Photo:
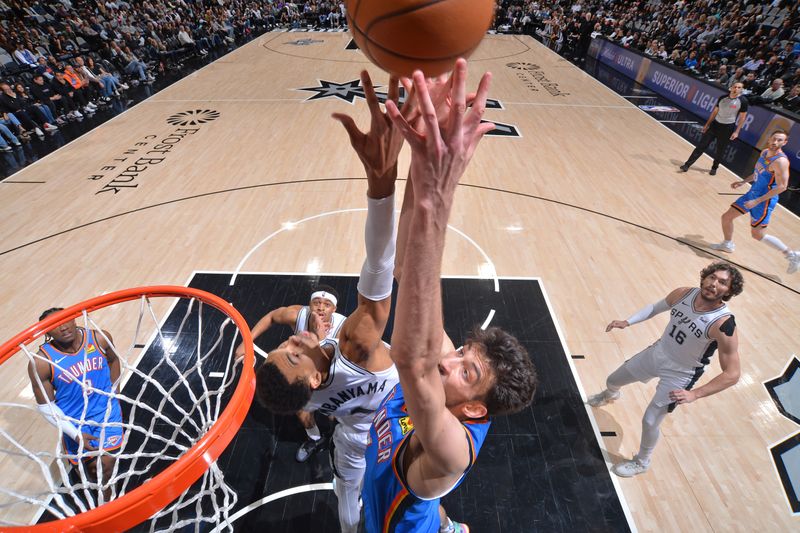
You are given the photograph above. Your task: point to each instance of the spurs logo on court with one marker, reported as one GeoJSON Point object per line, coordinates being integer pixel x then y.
{"type": "Point", "coordinates": [350, 90]}
{"type": "Point", "coordinates": [782, 389]}
{"type": "Point", "coordinates": [533, 77]}
{"type": "Point", "coordinates": [305, 42]}
{"type": "Point", "coordinates": [193, 117]}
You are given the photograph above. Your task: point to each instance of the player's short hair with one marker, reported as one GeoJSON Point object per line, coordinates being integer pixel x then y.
{"type": "Point", "coordinates": [737, 281]}
{"type": "Point", "coordinates": [275, 392]}
{"type": "Point", "coordinates": [515, 376]}
{"type": "Point", "coordinates": [325, 288]}
{"type": "Point", "coordinates": [779, 131]}
{"type": "Point", "coordinates": [49, 312]}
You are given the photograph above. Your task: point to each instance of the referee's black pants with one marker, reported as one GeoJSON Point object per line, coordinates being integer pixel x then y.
{"type": "Point", "coordinates": [722, 133]}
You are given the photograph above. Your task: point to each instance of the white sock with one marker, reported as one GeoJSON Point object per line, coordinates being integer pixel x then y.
{"type": "Point", "coordinates": [775, 243]}
{"type": "Point", "coordinates": [448, 527]}
{"type": "Point", "coordinates": [313, 433]}
{"type": "Point", "coordinates": [728, 243]}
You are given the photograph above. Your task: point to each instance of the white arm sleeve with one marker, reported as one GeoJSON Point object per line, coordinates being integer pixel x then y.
{"type": "Point", "coordinates": [53, 414]}
{"type": "Point", "coordinates": [648, 312]}
{"type": "Point", "coordinates": [377, 274]}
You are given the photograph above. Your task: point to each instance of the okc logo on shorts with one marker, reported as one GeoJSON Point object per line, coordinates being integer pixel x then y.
{"type": "Point", "coordinates": [405, 424]}
{"type": "Point", "coordinates": [113, 440]}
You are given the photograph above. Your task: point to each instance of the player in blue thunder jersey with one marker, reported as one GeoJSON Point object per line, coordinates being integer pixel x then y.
{"type": "Point", "coordinates": [426, 437]}
{"type": "Point", "coordinates": [73, 356]}
{"type": "Point", "coordinates": [770, 178]}
{"type": "Point", "coordinates": [391, 432]}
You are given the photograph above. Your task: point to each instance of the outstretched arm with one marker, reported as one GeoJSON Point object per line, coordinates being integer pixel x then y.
{"type": "Point", "coordinates": [439, 158]}
{"type": "Point", "coordinates": [650, 310]}
{"type": "Point", "coordinates": [378, 150]}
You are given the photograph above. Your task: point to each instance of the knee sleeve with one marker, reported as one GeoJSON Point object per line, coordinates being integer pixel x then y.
{"type": "Point", "coordinates": [651, 429]}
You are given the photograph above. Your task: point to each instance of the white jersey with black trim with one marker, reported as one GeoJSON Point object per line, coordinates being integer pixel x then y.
{"type": "Point", "coordinates": [686, 339]}
{"type": "Point", "coordinates": [351, 393]}
{"type": "Point", "coordinates": [302, 322]}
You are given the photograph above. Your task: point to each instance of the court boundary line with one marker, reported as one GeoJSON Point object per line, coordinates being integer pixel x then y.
{"type": "Point", "coordinates": [596, 429]}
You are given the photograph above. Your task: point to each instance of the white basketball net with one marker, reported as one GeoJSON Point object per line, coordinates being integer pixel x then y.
{"type": "Point", "coordinates": [173, 406]}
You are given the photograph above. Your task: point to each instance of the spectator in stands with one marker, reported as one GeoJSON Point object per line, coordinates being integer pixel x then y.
{"type": "Point", "coordinates": [791, 78]}
{"type": "Point", "coordinates": [42, 113]}
{"type": "Point", "coordinates": [787, 31]}
{"type": "Point", "coordinates": [791, 100]}
{"type": "Point", "coordinates": [772, 93]}
{"type": "Point", "coordinates": [186, 40]}
{"type": "Point", "coordinates": [722, 76]}
{"type": "Point", "coordinates": [62, 87]}
{"type": "Point", "coordinates": [43, 68]}
{"type": "Point", "coordinates": [749, 83]}
{"type": "Point", "coordinates": [6, 134]}
{"type": "Point", "coordinates": [691, 61]}
{"type": "Point", "coordinates": [80, 92]}
{"type": "Point", "coordinates": [43, 94]}
{"type": "Point", "coordinates": [737, 77]}
{"type": "Point", "coordinates": [14, 107]}
{"type": "Point", "coordinates": [24, 57]}
{"type": "Point", "coordinates": [107, 83]}
{"type": "Point", "coordinates": [131, 63]}
{"type": "Point", "coordinates": [755, 64]}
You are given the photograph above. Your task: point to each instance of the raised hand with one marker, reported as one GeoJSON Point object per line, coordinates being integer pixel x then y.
{"type": "Point", "coordinates": [318, 326]}
{"type": "Point", "coordinates": [379, 148]}
{"type": "Point", "coordinates": [440, 154]}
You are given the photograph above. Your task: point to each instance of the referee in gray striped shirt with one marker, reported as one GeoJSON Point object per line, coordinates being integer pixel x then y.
{"type": "Point", "coordinates": [722, 126]}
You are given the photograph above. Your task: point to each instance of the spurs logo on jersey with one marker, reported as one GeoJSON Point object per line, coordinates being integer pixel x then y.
{"type": "Point", "coordinates": [351, 393]}
{"type": "Point", "coordinates": [686, 338]}
{"type": "Point", "coordinates": [302, 323]}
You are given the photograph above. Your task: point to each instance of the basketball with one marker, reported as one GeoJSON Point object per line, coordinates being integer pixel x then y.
{"type": "Point", "coordinates": [429, 35]}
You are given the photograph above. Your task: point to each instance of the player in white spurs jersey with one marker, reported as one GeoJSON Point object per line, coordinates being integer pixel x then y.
{"type": "Point", "coordinates": [700, 324]}
{"type": "Point", "coordinates": [350, 377]}
{"type": "Point", "coordinates": [320, 317]}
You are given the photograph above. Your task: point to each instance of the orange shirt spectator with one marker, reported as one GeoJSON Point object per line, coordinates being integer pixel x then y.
{"type": "Point", "coordinates": [72, 78]}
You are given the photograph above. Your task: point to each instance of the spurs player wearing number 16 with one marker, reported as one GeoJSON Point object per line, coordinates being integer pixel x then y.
{"type": "Point", "coordinates": [700, 324]}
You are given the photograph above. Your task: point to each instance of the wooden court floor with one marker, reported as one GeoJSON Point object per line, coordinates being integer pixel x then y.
{"type": "Point", "coordinates": [586, 198]}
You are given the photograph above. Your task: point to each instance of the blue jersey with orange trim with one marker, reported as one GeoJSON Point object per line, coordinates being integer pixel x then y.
{"type": "Point", "coordinates": [765, 179]}
{"type": "Point", "coordinates": [88, 365]}
{"type": "Point", "coordinates": [389, 505]}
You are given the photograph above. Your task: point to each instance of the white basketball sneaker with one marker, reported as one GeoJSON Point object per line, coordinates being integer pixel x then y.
{"type": "Point", "coordinates": [724, 246]}
{"type": "Point", "coordinates": [630, 468]}
{"type": "Point", "coordinates": [603, 398]}
{"type": "Point", "coordinates": [794, 262]}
